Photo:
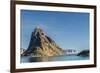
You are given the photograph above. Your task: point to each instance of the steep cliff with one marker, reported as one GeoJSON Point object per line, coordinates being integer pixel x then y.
{"type": "Point", "coordinates": [42, 45]}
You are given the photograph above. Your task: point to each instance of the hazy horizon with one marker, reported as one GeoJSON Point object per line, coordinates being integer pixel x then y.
{"type": "Point", "coordinates": [70, 30]}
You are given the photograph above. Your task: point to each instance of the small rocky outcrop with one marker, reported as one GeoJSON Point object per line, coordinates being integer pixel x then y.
{"type": "Point", "coordinates": [84, 53]}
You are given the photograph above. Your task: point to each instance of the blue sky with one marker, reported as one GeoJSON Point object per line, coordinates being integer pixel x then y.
{"type": "Point", "coordinates": [67, 29]}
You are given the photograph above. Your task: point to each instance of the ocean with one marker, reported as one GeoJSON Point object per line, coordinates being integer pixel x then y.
{"type": "Point", "coordinates": [28, 59]}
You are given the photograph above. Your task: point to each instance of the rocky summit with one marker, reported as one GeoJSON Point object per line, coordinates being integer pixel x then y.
{"type": "Point", "coordinates": [42, 45]}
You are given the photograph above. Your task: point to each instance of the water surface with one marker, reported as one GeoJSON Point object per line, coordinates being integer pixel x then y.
{"type": "Point", "coordinates": [26, 59]}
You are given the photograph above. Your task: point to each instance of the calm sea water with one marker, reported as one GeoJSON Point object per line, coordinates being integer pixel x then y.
{"type": "Point", "coordinates": [26, 59]}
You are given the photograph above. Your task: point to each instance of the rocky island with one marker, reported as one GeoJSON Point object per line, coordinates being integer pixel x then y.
{"type": "Point", "coordinates": [42, 45]}
{"type": "Point", "coordinates": [42, 48]}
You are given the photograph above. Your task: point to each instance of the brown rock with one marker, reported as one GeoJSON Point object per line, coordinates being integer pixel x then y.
{"type": "Point", "coordinates": [42, 45]}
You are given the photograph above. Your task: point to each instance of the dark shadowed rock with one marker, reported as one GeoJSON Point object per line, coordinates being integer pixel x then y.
{"type": "Point", "coordinates": [84, 53]}
{"type": "Point", "coordinates": [42, 45]}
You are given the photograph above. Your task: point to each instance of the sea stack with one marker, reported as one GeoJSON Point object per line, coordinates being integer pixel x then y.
{"type": "Point", "coordinates": [42, 45]}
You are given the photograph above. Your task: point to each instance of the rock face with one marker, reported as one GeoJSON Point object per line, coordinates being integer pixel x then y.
{"type": "Point", "coordinates": [42, 45]}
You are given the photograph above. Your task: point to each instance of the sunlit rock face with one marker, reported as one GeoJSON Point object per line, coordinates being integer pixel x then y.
{"type": "Point", "coordinates": [42, 45]}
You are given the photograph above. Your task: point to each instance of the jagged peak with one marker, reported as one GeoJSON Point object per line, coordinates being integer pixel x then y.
{"type": "Point", "coordinates": [38, 27]}
{"type": "Point", "coordinates": [39, 30]}
{"type": "Point", "coordinates": [42, 44]}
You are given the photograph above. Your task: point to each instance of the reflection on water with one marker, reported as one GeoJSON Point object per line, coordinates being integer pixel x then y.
{"type": "Point", "coordinates": [25, 59]}
{"type": "Point", "coordinates": [38, 59]}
